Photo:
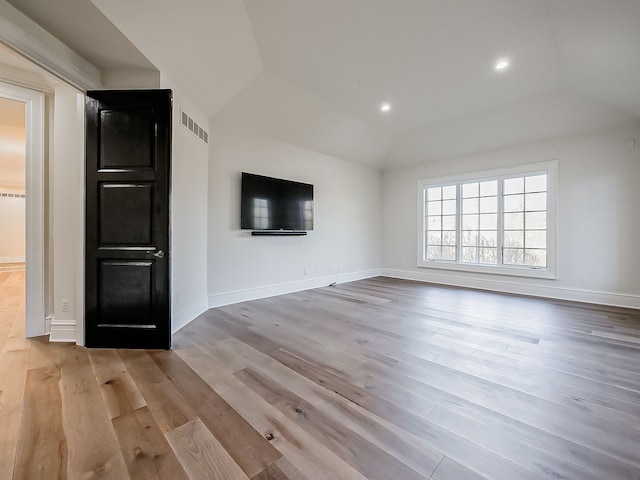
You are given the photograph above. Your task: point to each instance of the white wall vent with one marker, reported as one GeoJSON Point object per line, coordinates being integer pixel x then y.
{"type": "Point", "coordinates": [193, 127]}
{"type": "Point", "coordinates": [12, 195]}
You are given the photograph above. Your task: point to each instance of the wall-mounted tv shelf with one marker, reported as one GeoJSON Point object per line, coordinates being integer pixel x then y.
{"type": "Point", "coordinates": [278, 233]}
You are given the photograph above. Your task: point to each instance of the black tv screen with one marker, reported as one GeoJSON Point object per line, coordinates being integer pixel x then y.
{"type": "Point", "coordinates": [275, 204]}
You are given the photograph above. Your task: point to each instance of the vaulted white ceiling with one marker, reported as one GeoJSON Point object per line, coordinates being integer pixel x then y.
{"type": "Point", "coordinates": [205, 46]}
{"type": "Point", "coordinates": [315, 72]}
{"type": "Point", "coordinates": [432, 60]}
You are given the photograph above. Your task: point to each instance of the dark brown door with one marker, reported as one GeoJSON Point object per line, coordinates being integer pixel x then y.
{"type": "Point", "coordinates": [128, 151]}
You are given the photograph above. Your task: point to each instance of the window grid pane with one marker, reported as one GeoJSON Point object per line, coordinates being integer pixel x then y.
{"type": "Point", "coordinates": [480, 222]}
{"type": "Point", "coordinates": [525, 221]}
{"type": "Point", "coordinates": [441, 224]}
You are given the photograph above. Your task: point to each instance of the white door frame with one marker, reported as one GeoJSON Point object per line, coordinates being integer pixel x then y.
{"type": "Point", "coordinates": [35, 291]}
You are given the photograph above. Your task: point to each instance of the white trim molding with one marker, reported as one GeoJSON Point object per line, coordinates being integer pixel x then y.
{"type": "Point", "coordinates": [12, 259]}
{"type": "Point", "coordinates": [511, 285]}
{"type": "Point", "coordinates": [189, 313]}
{"type": "Point", "coordinates": [80, 214]}
{"type": "Point", "coordinates": [23, 78]}
{"type": "Point", "coordinates": [237, 296]}
{"type": "Point", "coordinates": [35, 310]}
{"type": "Point", "coordinates": [63, 331]}
{"type": "Point", "coordinates": [23, 35]}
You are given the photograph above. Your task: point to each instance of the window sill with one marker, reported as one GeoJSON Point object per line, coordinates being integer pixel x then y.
{"type": "Point", "coordinates": [545, 273]}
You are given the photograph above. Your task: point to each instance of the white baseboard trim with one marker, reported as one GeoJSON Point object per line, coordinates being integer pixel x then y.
{"type": "Point", "coordinates": [185, 315]}
{"type": "Point", "coordinates": [12, 259]}
{"type": "Point", "coordinates": [228, 298]}
{"type": "Point", "coordinates": [512, 286]}
{"type": "Point", "coordinates": [47, 324]}
{"type": "Point", "coordinates": [63, 331]}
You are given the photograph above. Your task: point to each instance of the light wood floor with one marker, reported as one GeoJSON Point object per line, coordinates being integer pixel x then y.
{"type": "Point", "coordinates": [377, 379]}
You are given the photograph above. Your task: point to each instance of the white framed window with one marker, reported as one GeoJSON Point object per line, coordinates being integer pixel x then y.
{"type": "Point", "coordinates": [499, 221]}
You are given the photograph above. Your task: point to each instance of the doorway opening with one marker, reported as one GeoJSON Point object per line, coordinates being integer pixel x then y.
{"type": "Point", "coordinates": [22, 210]}
{"type": "Point", "coordinates": [12, 222]}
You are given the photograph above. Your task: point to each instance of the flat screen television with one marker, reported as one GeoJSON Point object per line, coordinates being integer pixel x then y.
{"type": "Point", "coordinates": [275, 204]}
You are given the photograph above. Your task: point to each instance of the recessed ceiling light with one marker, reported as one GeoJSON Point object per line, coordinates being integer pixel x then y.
{"type": "Point", "coordinates": [385, 107]}
{"type": "Point", "coordinates": [502, 64]}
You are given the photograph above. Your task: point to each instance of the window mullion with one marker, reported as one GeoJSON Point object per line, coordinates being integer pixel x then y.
{"type": "Point", "coordinates": [524, 223]}
{"type": "Point", "coordinates": [424, 223]}
{"type": "Point", "coordinates": [500, 242]}
{"type": "Point", "coordinates": [458, 224]}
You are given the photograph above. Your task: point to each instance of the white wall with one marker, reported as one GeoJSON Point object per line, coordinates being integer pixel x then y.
{"type": "Point", "coordinates": [598, 255]}
{"type": "Point", "coordinates": [129, 79]}
{"type": "Point", "coordinates": [66, 174]}
{"type": "Point", "coordinates": [12, 219]}
{"type": "Point", "coordinates": [189, 183]}
{"type": "Point", "coordinates": [346, 225]}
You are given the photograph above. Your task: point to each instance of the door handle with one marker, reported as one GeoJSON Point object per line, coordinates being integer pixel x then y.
{"type": "Point", "coordinates": [158, 254]}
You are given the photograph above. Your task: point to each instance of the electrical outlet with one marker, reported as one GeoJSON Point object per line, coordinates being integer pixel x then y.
{"type": "Point", "coordinates": [64, 303]}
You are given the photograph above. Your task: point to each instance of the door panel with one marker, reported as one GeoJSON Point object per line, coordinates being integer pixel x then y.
{"type": "Point", "coordinates": [124, 210]}
{"type": "Point", "coordinates": [127, 299]}
{"type": "Point", "coordinates": [128, 142]}
{"type": "Point", "coordinates": [127, 138]}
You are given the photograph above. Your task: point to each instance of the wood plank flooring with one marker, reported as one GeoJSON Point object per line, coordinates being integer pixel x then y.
{"type": "Point", "coordinates": [376, 379]}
